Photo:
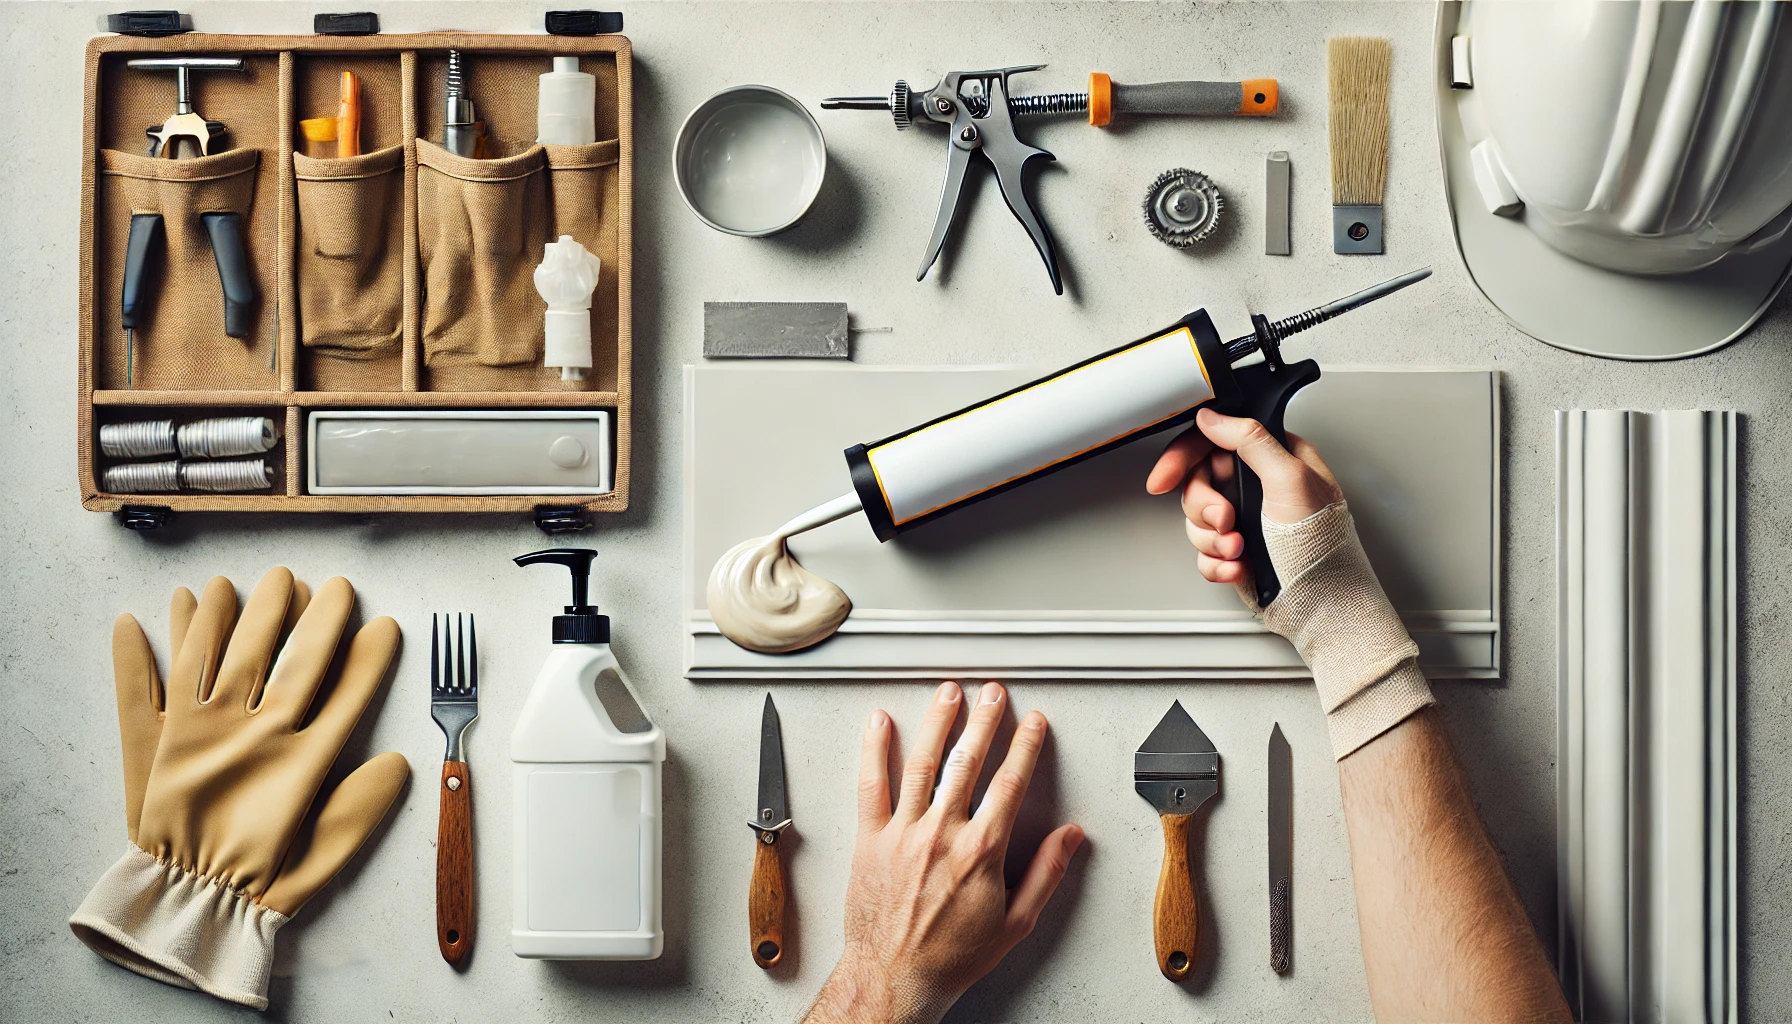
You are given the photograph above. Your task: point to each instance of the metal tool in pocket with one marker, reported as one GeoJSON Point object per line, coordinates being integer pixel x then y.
{"type": "Point", "coordinates": [186, 134]}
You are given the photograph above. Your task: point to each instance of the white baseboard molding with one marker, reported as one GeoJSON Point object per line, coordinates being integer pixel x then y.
{"type": "Point", "coordinates": [894, 644]}
{"type": "Point", "coordinates": [1646, 716]}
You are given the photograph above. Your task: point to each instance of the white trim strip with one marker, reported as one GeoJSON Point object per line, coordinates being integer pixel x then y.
{"type": "Point", "coordinates": [1022, 624]}
{"type": "Point", "coordinates": [1646, 698]}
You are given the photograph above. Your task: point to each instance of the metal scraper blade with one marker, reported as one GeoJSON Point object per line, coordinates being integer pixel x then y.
{"type": "Point", "coordinates": [1177, 769]}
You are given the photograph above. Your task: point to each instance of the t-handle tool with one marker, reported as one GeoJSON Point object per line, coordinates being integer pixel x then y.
{"type": "Point", "coordinates": [186, 123]}
{"type": "Point", "coordinates": [979, 108]}
{"type": "Point", "coordinates": [224, 229]}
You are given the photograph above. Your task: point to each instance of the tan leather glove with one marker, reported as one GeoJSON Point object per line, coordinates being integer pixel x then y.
{"type": "Point", "coordinates": [230, 832]}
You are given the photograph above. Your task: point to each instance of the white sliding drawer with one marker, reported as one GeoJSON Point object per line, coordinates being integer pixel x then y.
{"type": "Point", "coordinates": [496, 451]}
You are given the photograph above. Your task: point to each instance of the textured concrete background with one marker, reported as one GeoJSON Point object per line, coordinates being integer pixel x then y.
{"type": "Point", "coordinates": [365, 950]}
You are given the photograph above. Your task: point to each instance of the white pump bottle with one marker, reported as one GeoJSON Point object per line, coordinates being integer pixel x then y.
{"type": "Point", "coordinates": [587, 767]}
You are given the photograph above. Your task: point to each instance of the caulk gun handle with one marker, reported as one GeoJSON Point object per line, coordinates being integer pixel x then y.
{"type": "Point", "coordinates": [1267, 392]}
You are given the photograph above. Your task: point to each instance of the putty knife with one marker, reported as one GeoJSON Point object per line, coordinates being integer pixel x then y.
{"type": "Point", "coordinates": [1177, 769]}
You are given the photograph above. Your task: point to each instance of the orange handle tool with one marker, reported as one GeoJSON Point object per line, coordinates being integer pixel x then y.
{"type": "Point", "coordinates": [1253, 97]}
{"type": "Point", "coordinates": [348, 117]}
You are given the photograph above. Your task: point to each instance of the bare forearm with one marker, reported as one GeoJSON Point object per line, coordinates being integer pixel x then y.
{"type": "Point", "coordinates": [1444, 936]}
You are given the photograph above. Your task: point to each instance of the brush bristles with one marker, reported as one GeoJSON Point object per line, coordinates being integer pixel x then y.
{"type": "Point", "coordinates": [1357, 69]}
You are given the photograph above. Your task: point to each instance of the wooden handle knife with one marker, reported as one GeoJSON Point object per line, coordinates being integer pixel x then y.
{"type": "Point", "coordinates": [765, 900]}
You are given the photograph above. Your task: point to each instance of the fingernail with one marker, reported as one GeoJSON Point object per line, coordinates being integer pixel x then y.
{"type": "Point", "coordinates": [879, 719]}
{"type": "Point", "coordinates": [1206, 413]}
{"type": "Point", "coordinates": [1074, 841]}
{"type": "Point", "coordinates": [1212, 516]}
{"type": "Point", "coordinates": [947, 693]}
{"type": "Point", "coordinates": [992, 694]}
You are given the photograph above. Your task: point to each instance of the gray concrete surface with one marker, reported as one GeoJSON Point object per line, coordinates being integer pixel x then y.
{"type": "Point", "coordinates": [364, 950]}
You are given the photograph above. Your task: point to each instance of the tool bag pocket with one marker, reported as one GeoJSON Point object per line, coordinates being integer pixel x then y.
{"type": "Point", "coordinates": [180, 334]}
{"type": "Point", "coordinates": [481, 226]}
{"type": "Point", "coordinates": [351, 255]}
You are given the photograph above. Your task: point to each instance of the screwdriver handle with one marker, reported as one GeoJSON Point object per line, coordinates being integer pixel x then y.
{"type": "Point", "coordinates": [234, 275]}
{"type": "Point", "coordinates": [146, 235]}
{"type": "Point", "coordinates": [1253, 97]}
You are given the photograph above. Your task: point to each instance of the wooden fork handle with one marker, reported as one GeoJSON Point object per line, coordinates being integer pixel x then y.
{"type": "Point", "coordinates": [765, 899]}
{"type": "Point", "coordinates": [1173, 921]}
{"type": "Point", "coordinates": [454, 864]}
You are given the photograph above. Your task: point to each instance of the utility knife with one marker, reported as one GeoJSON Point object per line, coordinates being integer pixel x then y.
{"type": "Point", "coordinates": [765, 897]}
{"type": "Point", "coordinates": [1177, 770]}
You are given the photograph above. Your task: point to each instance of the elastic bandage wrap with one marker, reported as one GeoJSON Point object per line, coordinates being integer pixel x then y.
{"type": "Point", "coordinates": [1334, 612]}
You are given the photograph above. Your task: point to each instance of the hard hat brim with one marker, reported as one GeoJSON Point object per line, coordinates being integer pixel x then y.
{"type": "Point", "coordinates": [1576, 306]}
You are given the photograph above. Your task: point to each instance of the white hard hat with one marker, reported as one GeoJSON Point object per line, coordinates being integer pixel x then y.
{"type": "Point", "coordinates": [1620, 173]}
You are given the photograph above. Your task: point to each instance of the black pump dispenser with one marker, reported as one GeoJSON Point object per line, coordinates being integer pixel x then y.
{"type": "Point", "coordinates": [581, 624]}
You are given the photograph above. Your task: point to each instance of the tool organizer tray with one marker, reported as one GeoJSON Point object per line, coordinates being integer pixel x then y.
{"type": "Point", "coordinates": [344, 251]}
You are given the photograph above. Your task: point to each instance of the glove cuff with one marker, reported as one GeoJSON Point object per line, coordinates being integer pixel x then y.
{"type": "Point", "coordinates": [166, 923]}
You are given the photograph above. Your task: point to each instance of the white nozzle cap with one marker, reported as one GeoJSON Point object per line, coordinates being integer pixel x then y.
{"type": "Point", "coordinates": [562, 65]}
{"type": "Point", "coordinates": [567, 276]}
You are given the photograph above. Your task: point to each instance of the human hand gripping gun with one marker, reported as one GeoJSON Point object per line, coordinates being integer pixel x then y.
{"type": "Point", "coordinates": [978, 108]}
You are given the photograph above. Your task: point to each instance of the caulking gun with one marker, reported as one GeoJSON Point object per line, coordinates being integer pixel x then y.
{"type": "Point", "coordinates": [1105, 401]}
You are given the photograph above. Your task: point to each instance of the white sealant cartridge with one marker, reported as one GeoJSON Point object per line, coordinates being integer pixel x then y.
{"type": "Point", "coordinates": [1056, 421]}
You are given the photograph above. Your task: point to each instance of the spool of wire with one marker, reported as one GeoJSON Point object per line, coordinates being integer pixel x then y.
{"type": "Point", "coordinates": [223, 476]}
{"type": "Point", "coordinates": [226, 436]}
{"type": "Point", "coordinates": [143, 477]}
{"type": "Point", "coordinates": [139, 440]}
{"type": "Point", "coordinates": [226, 475]}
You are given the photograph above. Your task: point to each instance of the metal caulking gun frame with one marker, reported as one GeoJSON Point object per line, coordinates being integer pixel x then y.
{"type": "Point", "coordinates": [978, 109]}
{"type": "Point", "coordinates": [1081, 411]}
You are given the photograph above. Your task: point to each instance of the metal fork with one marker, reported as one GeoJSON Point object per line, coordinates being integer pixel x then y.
{"type": "Point", "coordinates": [454, 704]}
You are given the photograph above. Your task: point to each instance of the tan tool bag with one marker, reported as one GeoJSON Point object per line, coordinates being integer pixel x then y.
{"type": "Point", "coordinates": [401, 278]}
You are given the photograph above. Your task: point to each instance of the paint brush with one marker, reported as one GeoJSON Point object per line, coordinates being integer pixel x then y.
{"type": "Point", "coordinates": [1357, 71]}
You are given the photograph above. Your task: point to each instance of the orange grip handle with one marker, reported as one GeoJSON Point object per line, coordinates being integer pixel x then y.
{"type": "Point", "coordinates": [348, 117]}
{"type": "Point", "coordinates": [1261, 97]}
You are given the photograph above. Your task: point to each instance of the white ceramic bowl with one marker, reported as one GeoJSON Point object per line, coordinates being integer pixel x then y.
{"type": "Point", "coordinates": [749, 160]}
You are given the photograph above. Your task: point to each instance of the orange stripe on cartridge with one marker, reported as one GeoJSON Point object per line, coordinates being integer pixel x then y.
{"type": "Point", "coordinates": [1101, 99]}
{"type": "Point", "coordinates": [1261, 97]}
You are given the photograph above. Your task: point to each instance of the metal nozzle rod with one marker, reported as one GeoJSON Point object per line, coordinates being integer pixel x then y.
{"type": "Point", "coordinates": [1238, 348]}
{"type": "Point", "coordinates": [856, 103]}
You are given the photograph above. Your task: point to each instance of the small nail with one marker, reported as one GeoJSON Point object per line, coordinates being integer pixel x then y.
{"type": "Point", "coordinates": [947, 693]}
{"type": "Point", "coordinates": [879, 719]}
{"type": "Point", "coordinates": [1073, 842]}
{"type": "Point", "coordinates": [992, 694]}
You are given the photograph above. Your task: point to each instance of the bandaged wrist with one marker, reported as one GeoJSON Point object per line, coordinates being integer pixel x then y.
{"type": "Point", "coordinates": [166, 923]}
{"type": "Point", "coordinates": [1335, 613]}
